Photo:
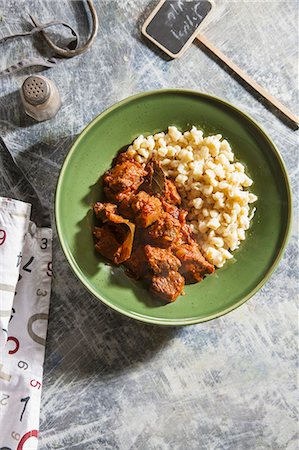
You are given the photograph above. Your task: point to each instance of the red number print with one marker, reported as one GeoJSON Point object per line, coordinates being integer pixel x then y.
{"type": "Point", "coordinates": [16, 341]}
{"type": "Point", "coordinates": [2, 236]}
{"type": "Point", "coordinates": [35, 383]}
{"type": "Point", "coordinates": [28, 435]}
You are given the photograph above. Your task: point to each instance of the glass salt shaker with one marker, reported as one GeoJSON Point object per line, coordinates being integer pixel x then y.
{"type": "Point", "coordinates": [40, 97]}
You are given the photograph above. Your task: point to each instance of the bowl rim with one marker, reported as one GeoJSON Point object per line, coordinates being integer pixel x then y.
{"type": "Point", "coordinates": [144, 318]}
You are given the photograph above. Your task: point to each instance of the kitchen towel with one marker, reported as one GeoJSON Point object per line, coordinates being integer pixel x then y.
{"type": "Point", "coordinates": [23, 335]}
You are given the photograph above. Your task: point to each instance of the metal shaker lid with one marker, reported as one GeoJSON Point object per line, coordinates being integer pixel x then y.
{"type": "Point", "coordinates": [36, 90]}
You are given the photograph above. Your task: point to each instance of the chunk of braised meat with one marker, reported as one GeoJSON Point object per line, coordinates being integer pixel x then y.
{"type": "Point", "coordinates": [123, 180]}
{"type": "Point", "coordinates": [174, 211]}
{"type": "Point", "coordinates": [142, 208]}
{"type": "Point", "coordinates": [171, 194]}
{"type": "Point", "coordinates": [107, 243]}
{"type": "Point", "coordinates": [122, 157]}
{"type": "Point", "coordinates": [125, 209]}
{"type": "Point", "coordinates": [146, 209]}
{"type": "Point", "coordinates": [160, 260]}
{"type": "Point", "coordinates": [146, 261]}
{"type": "Point", "coordinates": [164, 231]}
{"type": "Point", "coordinates": [168, 287]}
{"type": "Point", "coordinates": [136, 264]}
{"type": "Point", "coordinates": [114, 241]}
{"type": "Point", "coordinates": [115, 228]}
{"type": "Point", "coordinates": [194, 266]}
{"type": "Point", "coordinates": [185, 235]}
{"type": "Point", "coordinates": [107, 211]}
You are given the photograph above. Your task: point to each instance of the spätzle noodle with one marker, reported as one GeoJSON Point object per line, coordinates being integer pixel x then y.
{"type": "Point", "coordinates": [213, 186]}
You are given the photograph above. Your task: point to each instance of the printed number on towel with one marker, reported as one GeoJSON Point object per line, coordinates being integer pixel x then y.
{"type": "Point", "coordinates": [2, 236]}
{"type": "Point", "coordinates": [15, 435]}
{"type": "Point", "coordinates": [23, 365]}
{"type": "Point", "coordinates": [35, 383]}
{"type": "Point", "coordinates": [19, 258]}
{"type": "Point", "coordinates": [3, 399]}
{"type": "Point", "coordinates": [41, 293]}
{"type": "Point", "coordinates": [26, 266]}
{"type": "Point", "coordinates": [44, 243]}
{"type": "Point", "coordinates": [38, 339]}
{"type": "Point", "coordinates": [25, 400]}
{"type": "Point", "coordinates": [17, 345]}
{"type": "Point", "coordinates": [49, 271]}
{"type": "Point", "coordinates": [13, 311]}
{"type": "Point", "coordinates": [28, 435]}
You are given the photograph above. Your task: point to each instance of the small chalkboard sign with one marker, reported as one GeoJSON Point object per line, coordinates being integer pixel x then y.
{"type": "Point", "coordinates": [173, 24]}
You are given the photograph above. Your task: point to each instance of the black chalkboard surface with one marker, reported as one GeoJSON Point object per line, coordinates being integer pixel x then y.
{"type": "Point", "coordinates": [173, 24]}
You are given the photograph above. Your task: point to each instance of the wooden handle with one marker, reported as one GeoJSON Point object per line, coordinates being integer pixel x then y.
{"type": "Point", "coordinates": [248, 79]}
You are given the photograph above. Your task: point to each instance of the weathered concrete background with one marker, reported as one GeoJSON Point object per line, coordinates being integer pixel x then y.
{"type": "Point", "coordinates": [109, 382]}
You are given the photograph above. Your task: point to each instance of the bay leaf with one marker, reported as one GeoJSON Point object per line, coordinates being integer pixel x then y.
{"type": "Point", "coordinates": [155, 182]}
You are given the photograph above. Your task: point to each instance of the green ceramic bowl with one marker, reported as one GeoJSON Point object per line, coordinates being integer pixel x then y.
{"type": "Point", "coordinates": [147, 113]}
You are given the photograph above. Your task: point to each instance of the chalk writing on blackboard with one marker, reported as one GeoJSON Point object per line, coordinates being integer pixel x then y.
{"type": "Point", "coordinates": [174, 24]}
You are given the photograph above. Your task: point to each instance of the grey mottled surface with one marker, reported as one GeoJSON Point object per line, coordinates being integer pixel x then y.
{"type": "Point", "coordinates": [109, 382]}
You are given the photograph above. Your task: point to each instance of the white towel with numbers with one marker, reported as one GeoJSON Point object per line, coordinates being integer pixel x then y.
{"type": "Point", "coordinates": [25, 285]}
